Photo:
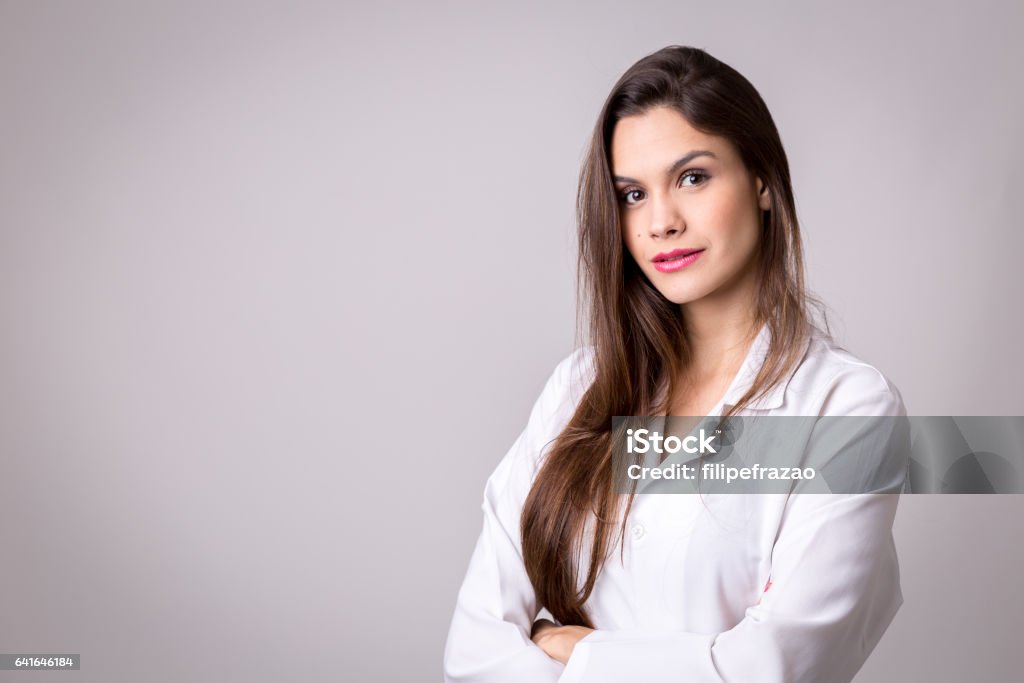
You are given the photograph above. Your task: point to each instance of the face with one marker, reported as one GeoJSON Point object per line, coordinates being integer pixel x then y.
{"type": "Point", "coordinates": [690, 209]}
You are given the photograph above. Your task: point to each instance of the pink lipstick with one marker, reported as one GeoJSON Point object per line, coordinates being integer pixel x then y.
{"type": "Point", "coordinates": [676, 259]}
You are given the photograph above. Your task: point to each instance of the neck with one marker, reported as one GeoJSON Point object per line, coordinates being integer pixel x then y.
{"type": "Point", "coordinates": [720, 329]}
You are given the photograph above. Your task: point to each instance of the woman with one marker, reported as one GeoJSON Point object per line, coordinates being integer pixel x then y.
{"type": "Point", "coordinates": [690, 260]}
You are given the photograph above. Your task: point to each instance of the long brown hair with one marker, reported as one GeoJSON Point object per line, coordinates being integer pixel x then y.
{"type": "Point", "coordinates": [638, 337]}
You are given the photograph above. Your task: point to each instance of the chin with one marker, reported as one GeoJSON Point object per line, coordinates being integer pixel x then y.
{"type": "Point", "coordinates": [683, 295]}
{"type": "Point", "coordinates": [692, 287]}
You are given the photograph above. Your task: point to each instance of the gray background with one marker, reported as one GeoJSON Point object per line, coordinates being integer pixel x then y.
{"type": "Point", "coordinates": [250, 252]}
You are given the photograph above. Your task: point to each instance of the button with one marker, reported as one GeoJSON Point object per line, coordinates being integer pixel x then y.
{"type": "Point", "coordinates": [638, 531]}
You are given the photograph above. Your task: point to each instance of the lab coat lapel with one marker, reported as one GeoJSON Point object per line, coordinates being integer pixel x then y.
{"type": "Point", "coordinates": [775, 397]}
{"type": "Point", "coordinates": [771, 401]}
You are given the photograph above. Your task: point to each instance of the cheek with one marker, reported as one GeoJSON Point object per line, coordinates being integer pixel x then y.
{"type": "Point", "coordinates": [634, 250]}
{"type": "Point", "coordinates": [734, 218]}
{"type": "Point", "coordinates": [630, 228]}
{"type": "Point", "coordinates": [631, 235]}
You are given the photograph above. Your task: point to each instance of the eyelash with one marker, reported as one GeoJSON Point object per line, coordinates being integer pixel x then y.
{"type": "Point", "coordinates": [695, 172]}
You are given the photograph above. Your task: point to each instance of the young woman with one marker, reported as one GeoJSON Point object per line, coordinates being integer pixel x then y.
{"type": "Point", "coordinates": [691, 268]}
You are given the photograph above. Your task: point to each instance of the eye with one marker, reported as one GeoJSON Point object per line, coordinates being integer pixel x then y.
{"type": "Point", "coordinates": [700, 178]}
{"type": "Point", "coordinates": [629, 196]}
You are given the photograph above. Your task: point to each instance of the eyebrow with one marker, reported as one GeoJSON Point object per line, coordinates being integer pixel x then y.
{"type": "Point", "coordinates": [676, 165]}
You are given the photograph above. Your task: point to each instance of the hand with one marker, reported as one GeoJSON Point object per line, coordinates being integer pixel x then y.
{"type": "Point", "coordinates": [557, 641]}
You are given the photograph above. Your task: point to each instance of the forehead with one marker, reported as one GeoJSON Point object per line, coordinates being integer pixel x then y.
{"type": "Point", "coordinates": [647, 143]}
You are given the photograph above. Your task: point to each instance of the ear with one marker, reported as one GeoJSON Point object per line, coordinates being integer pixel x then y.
{"type": "Point", "coordinates": [764, 198]}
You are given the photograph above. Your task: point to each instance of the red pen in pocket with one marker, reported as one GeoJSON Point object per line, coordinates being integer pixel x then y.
{"type": "Point", "coordinates": [766, 587]}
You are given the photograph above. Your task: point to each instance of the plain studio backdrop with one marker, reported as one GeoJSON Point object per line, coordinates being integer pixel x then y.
{"type": "Point", "coordinates": [279, 283]}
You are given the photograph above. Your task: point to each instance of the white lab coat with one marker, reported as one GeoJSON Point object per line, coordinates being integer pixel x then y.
{"type": "Point", "coordinates": [690, 602]}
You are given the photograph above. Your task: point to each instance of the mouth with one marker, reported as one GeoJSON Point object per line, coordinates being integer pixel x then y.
{"type": "Point", "coordinates": [676, 259]}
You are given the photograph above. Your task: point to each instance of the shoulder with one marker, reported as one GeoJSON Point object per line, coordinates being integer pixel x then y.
{"type": "Point", "coordinates": [831, 380]}
{"type": "Point", "coordinates": [555, 405]}
{"type": "Point", "coordinates": [573, 375]}
{"type": "Point", "coordinates": [552, 410]}
{"type": "Point", "coordinates": [562, 393]}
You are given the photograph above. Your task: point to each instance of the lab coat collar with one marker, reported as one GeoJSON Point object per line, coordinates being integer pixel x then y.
{"type": "Point", "coordinates": [755, 358]}
{"type": "Point", "coordinates": [756, 354]}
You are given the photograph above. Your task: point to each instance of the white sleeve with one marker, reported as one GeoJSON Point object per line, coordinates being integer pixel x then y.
{"type": "Point", "coordinates": [489, 636]}
{"type": "Point", "coordinates": [834, 590]}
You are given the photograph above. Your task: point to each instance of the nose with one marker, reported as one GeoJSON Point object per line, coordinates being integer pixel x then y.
{"type": "Point", "coordinates": [666, 218]}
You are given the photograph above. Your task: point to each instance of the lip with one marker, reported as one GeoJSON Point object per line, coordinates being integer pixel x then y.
{"type": "Point", "coordinates": [670, 261]}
